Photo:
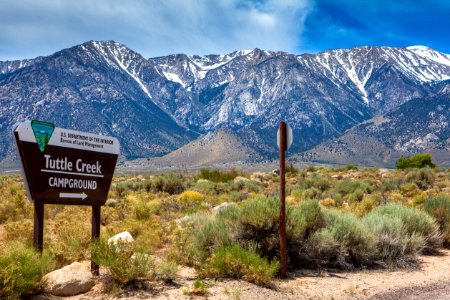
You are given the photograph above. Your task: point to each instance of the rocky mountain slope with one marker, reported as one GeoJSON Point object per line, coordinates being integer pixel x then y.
{"type": "Point", "coordinates": [419, 125]}
{"type": "Point", "coordinates": [157, 105]}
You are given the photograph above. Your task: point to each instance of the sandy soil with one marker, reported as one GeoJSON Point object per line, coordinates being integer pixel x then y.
{"type": "Point", "coordinates": [430, 281]}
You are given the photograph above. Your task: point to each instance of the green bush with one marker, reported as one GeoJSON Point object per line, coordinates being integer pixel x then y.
{"type": "Point", "coordinates": [423, 177]}
{"type": "Point", "coordinates": [241, 263]}
{"type": "Point", "coordinates": [348, 186]}
{"type": "Point", "coordinates": [351, 167]}
{"type": "Point", "coordinates": [439, 208]}
{"type": "Point", "coordinates": [125, 264]}
{"type": "Point", "coordinates": [259, 222]}
{"type": "Point", "coordinates": [415, 161]}
{"type": "Point", "coordinates": [357, 242]}
{"type": "Point", "coordinates": [216, 175]}
{"type": "Point", "coordinates": [21, 268]}
{"type": "Point", "coordinates": [393, 240]}
{"type": "Point", "coordinates": [303, 220]}
{"type": "Point", "coordinates": [415, 222]}
{"type": "Point", "coordinates": [171, 184]}
{"type": "Point", "coordinates": [202, 233]}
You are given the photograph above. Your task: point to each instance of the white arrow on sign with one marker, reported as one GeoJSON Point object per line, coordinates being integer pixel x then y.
{"type": "Point", "coordinates": [81, 196]}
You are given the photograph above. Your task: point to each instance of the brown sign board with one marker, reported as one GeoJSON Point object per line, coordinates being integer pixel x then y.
{"type": "Point", "coordinates": [62, 166]}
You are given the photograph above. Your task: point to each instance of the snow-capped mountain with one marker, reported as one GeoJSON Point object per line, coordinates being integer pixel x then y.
{"type": "Point", "coordinates": [156, 105]}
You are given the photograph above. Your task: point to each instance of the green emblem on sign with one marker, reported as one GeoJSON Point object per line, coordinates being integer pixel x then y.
{"type": "Point", "coordinates": [42, 132]}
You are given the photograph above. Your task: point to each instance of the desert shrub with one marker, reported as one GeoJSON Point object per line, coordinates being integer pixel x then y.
{"type": "Point", "coordinates": [144, 209]}
{"type": "Point", "coordinates": [190, 197]}
{"type": "Point", "coordinates": [171, 184]}
{"type": "Point", "coordinates": [316, 181]}
{"type": "Point", "coordinates": [303, 220]}
{"type": "Point", "coordinates": [125, 265]}
{"type": "Point", "coordinates": [291, 169]}
{"type": "Point", "coordinates": [327, 202]}
{"type": "Point", "coordinates": [348, 186]}
{"type": "Point", "coordinates": [249, 186]}
{"type": "Point", "coordinates": [166, 270]}
{"type": "Point", "coordinates": [356, 242]}
{"type": "Point", "coordinates": [365, 206]}
{"type": "Point", "coordinates": [216, 175]}
{"type": "Point", "coordinates": [423, 177]}
{"type": "Point", "coordinates": [393, 240]}
{"type": "Point", "coordinates": [202, 233]}
{"type": "Point", "coordinates": [351, 167]}
{"type": "Point", "coordinates": [396, 197]}
{"type": "Point", "coordinates": [415, 222]}
{"type": "Point", "coordinates": [14, 205]}
{"type": "Point", "coordinates": [439, 208]}
{"type": "Point", "coordinates": [311, 193]}
{"type": "Point", "coordinates": [199, 288]}
{"type": "Point", "coordinates": [19, 231]}
{"type": "Point", "coordinates": [355, 196]}
{"type": "Point", "coordinates": [242, 263]}
{"type": "Point", "coordinates": [321, 248]}
{"type": "Point", "coordinates": [69, 235]}
{"type": "Point", "coordinates": [259, 223]}
{"type": "Point", "coordinates": [409, 189]}
{"type": "Point", "coordinates": [21, 268]}
{"type": "Point", "coordinates": [420, 160]}
{"type": "Point", "coordinates": [419, 199]}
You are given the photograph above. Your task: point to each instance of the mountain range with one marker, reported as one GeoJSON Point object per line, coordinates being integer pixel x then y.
{"type": "Point", "coordinates": [365, 105]}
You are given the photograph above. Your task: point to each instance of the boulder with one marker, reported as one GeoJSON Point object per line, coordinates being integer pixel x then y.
{"type": "Point", "coordinates": [201, 180]}
{"type": "Point", "coordinates": [70, 280]}
{"type": "Point", "coordinates": [220, 207]}
{"type": "Point", "coordinates": [120, 239]}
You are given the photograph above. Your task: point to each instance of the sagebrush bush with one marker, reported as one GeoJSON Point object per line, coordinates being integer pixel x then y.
{"type": "Point", "coordinates": [171, 184]}
{"type": "Point", "coordinates": [68, 236]}
{"type": "Point", "coordinates": [217, 175]}
{"type": "Point", "coordinates": [356, 241]}
{"type": "Point", "coordinates": [348, 186]}
{"type": "Point", "coordinates": [393, 240]}
{"type": "Point", "coordinates": [126, 264]}
{"type": "Point", "coordinates": [190, 197]}
{"type": "Point", "coordinates": [415, 222]}
{"type": "Point", "coordinates": [21, 268]}
{"type": "Point", "coordinates": [202, 233]}
{"type": "Point", "coordinates": [303, 220]}
{"type": "Point", "coordinates": [259, 223]}
{"type": "Point", "coordinates": [439, 208]}
{"type": "Point", "coordinates": [242, 263]}
{"type": "Point", "coordinates": [423, 177]}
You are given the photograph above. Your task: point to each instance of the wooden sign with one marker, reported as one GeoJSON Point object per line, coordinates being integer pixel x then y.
{"type": "Point", "coordinates": [63, 166]}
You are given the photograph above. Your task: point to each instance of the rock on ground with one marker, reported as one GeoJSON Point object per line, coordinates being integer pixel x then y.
{"type": "Point", "coordinates": [70, 280]}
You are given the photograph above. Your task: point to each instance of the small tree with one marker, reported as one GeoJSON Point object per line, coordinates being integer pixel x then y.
{"type": "Point", "coordinates": [416, 161]}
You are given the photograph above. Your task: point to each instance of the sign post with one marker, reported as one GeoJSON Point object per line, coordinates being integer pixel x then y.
{"type": "Point", "coordinates": [68, 167]}
{"type": "Point", "coordinates": [284, 141]}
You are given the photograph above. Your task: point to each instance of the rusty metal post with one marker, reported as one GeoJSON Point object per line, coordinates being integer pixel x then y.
{"type": "Point", "coordinates": [38, 228]}
{"type": "Point", "coordinates": [283, 146]}
{"type": "Point", "coordinates": [96, 211]}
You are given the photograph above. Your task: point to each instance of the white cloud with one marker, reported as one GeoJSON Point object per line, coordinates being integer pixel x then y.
{"type": "Point", "coordinates": [31, 28]}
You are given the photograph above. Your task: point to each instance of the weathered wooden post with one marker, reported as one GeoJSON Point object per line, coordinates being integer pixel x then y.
{"type": "Point", "coordinates": [283, 146]}
{"type": "Point", "coordinates": [284, 141]}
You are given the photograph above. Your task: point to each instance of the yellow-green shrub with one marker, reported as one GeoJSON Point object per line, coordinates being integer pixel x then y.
{"type": "Point", "coordinates": [190, 197]}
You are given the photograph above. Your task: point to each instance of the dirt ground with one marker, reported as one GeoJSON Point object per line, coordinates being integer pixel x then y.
{"type": "Point", "coordinates": [430, 281]}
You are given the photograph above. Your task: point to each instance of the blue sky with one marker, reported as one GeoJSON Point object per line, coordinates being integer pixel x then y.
{"type": "Point", "coordinates": [29, 28]}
